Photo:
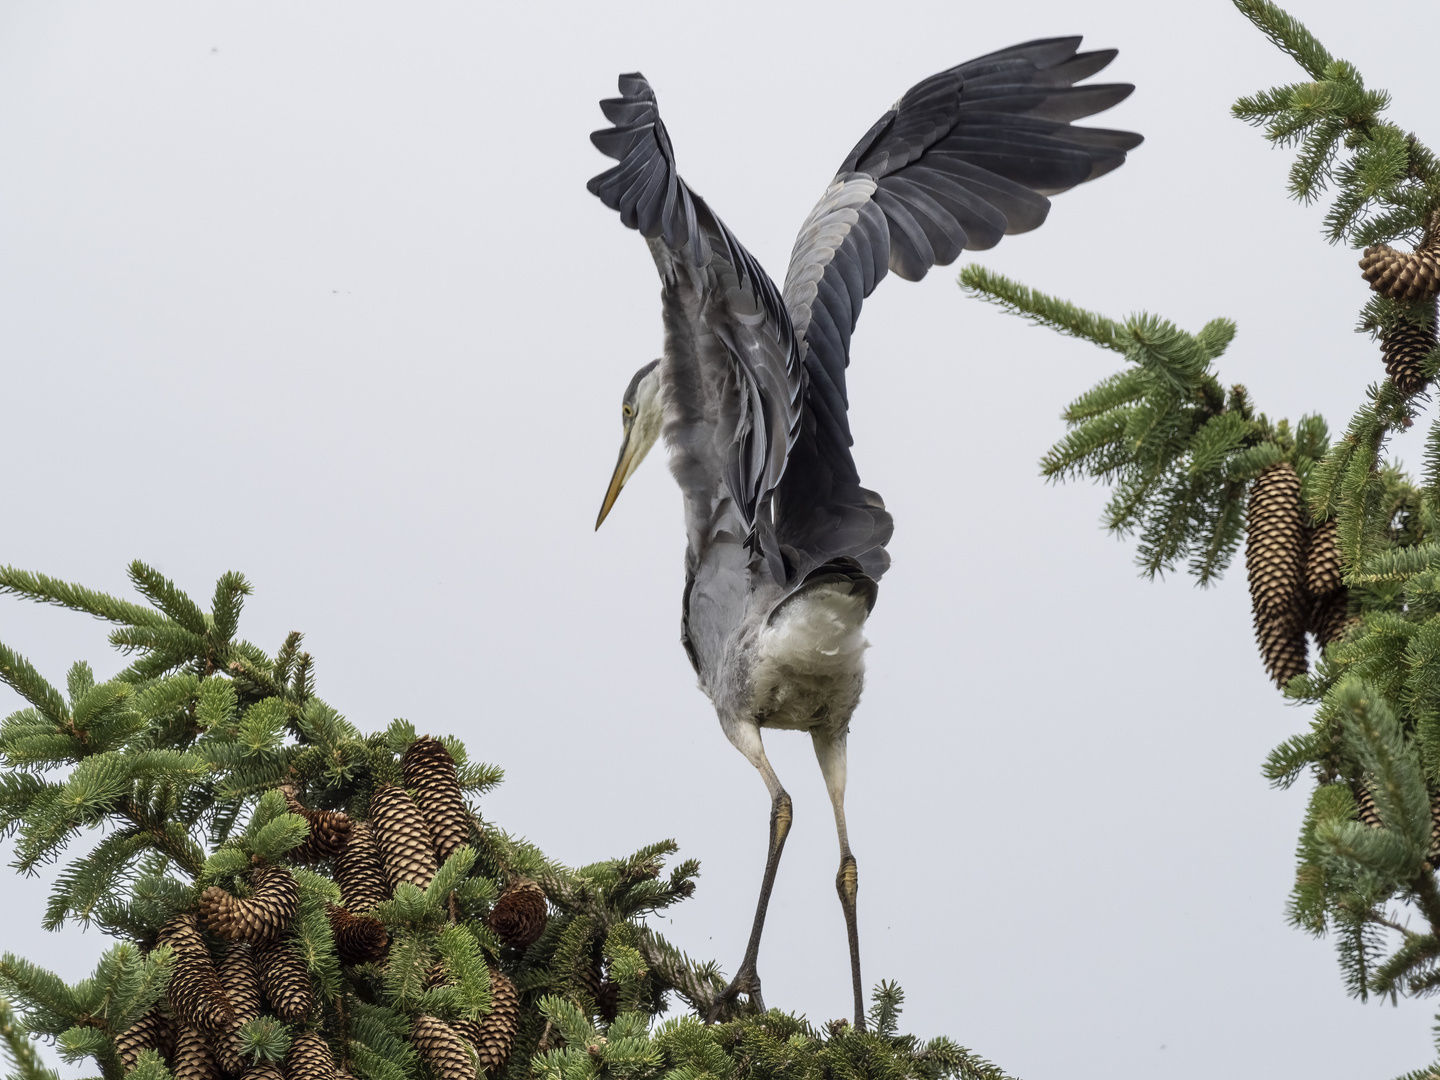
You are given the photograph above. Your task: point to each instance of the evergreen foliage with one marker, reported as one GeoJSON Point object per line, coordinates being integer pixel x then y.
{"type": "Point", "coordinates": [223, 790]}
{"type": "Point", "coordinates": [1182, 455]}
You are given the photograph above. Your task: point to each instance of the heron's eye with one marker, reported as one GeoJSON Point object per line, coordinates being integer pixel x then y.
{"type": "Point", "coordinates": [628, 411]}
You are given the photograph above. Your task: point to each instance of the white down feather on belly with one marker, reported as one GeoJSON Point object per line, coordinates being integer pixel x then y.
{"type": "Point", "coordinates": [810, 661]}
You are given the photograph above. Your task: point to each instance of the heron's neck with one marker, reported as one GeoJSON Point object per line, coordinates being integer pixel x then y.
{"type": "Point", "coordinates": [649, 415]}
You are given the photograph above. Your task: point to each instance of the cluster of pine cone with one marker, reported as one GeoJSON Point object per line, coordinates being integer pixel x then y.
{"type": "Point", "coordinates": [1294, 572]}
{"type": "Point", "coordinates": [1406, 275]}
{"type": "Point", "coordinates": [197, 1027]}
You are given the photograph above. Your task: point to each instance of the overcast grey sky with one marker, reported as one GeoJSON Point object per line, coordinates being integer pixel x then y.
{"type": "Point", "coordinates": [315, 292]}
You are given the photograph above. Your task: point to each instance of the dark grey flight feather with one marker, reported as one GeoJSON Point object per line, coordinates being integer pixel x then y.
{"type": "Point", "coordinates": [744, 308]}
{"type": "Point", "coordinates": [967, 156]}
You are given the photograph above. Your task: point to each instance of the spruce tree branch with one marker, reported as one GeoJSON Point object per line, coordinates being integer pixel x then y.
{"type": "Point", "coordinates": [161, 592]}
{"type": "Point", "coordinates": [1384, 920]}
{"type": "Point", "coordinates": [1398, 564]}
{"type": "Point", "coordinates": [189, 857]}
{"type": "Point", "coordinates": [699, 985]}
{"type": "Point", "coordinates": [1407, 963]}
{"type": "Point", "coordinates": [1289, 34]}
{"type": "Point", "coordinates": [21, 676]}
{"type": "Point", "coordinates": [1041, 309]}
{"type": "Point", "coordinates": [675, 970]}
{"type": "Point", "coordinates": [230, 593]}
{"type": "Point", "coordinates": [47, 590]}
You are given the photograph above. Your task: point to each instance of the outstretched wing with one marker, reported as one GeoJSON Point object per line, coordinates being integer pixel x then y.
{"type": "Point", "coordinates": [743, 322]}
{"type": "Point", "coordinates": [964, 158]}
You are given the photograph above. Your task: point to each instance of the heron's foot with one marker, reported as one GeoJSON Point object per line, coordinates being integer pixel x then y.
{"type": "Point", "coordinates": [747, 982]}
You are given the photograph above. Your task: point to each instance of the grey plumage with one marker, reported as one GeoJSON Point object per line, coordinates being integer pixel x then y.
{"type": "Point", "coordinates": [785, 546]}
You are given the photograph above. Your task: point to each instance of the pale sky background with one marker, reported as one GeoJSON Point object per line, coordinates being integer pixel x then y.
{"type": "Point", "coordinates": [315, 292]}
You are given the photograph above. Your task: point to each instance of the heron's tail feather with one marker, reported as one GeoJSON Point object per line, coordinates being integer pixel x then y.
{"type": "Point", "coordinates": [844, 573]}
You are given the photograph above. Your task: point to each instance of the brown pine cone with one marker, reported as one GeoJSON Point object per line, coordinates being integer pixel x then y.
{"type": "Point", "coordinates": [430, 771]}
{"type": "Point", "coordinates": [608, 1001]}
{"type": "Point", "coordinates": [1275, 535]}
{"type": "Point", "coordinates": [438, 975]}
{"type": "Point", "coordinates": [1432, 854]}
{"type": "Point", "coordinates": [216, 906]}
{"type": "Point", "coordinates": [263, 1071]}
{"type": "Point", "coordinates": [240, 976]}
{"type": "Point", "coordinates": [1329, 600]}
{"type": "Point", "coordinates": [519, 915]}
{"type": "Point", "coordinates": [1322, 560]}
{"type": "Point", "coordinates": [263, 917]}
{"type": "Point", "coordinates": [359, 870]}
{"type": "Point", "coordinates": [493, 1035]}
{"type": "Point", "coordinates": [590, 979]}
{"type": "Point", "coordinates": [599, 990]}
{"type": "Point", "coordinates": [403, 836]}
{"type": "Point", "coordinates": [152, 1031]}
{"type": "Point", "coordinates": [194, 1060]}
{"type": "Point", "coordinates": [225, 1045]}
{"type": "Point", "coordinates": [1330, 617]}
{"type": "Point", "coordinates": [182, 934]}
{"type": "Point", "coordinates": [284, 979]}
{"type": "Point", "coordinates": [1283, 648]}
{"type": "Point", "coordinates": [197, 999]}
{"type": "Point", "coordinates": [605, 994]}
{"type": "Point", "coordinates": [1404, 348]}
{"type": "Point", "coordinates": [359, 939]}
{"type": "Point", "coordinates": [443, 1050]}
{"type": "Point", "coordinates": [1402, 275]}
{"type": "Point", "coordinates": [1369, 813]}
{"type": "Point", "coordinates": [241, 979]}
{"type": "Point", "coordinates": [309, 1058]}
{"type": "Point", "coordinates": [329, 829]}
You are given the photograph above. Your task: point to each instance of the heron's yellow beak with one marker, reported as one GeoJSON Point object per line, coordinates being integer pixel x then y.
{"type": "Point", "coordinates": [641, 416]}
{"type": "Point", "coordinates": [631, 451]}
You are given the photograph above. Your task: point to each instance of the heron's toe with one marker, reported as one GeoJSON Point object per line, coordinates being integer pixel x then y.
{"type": "Point", "coordinates": [747, 982]}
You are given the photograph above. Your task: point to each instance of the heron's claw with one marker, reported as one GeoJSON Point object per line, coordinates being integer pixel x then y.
{"type": "Point", "coordinates": [747, 982]}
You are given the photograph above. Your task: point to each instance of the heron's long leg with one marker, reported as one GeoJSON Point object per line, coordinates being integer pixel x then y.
{"type": "Point", "coordinates": [746, 737]}
{"type": "Point", "coordinates": [831, 755]}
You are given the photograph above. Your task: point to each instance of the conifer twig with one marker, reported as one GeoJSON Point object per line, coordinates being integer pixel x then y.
{"type": "Point", "coordinates": [1040, 309]}
{"type": "Point", "coordinates": [1289, 34]}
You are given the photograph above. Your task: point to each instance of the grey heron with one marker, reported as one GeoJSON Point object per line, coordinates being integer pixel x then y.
{"type": "Point", "coordinates": [785, 548]}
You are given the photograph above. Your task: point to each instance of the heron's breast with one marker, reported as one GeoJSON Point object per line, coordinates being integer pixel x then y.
{"type": "Point", "coordinates": [809, 665]}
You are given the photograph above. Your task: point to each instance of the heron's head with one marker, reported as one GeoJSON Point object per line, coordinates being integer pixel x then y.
{"type": "Point", "coordinates": [640, 415]}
